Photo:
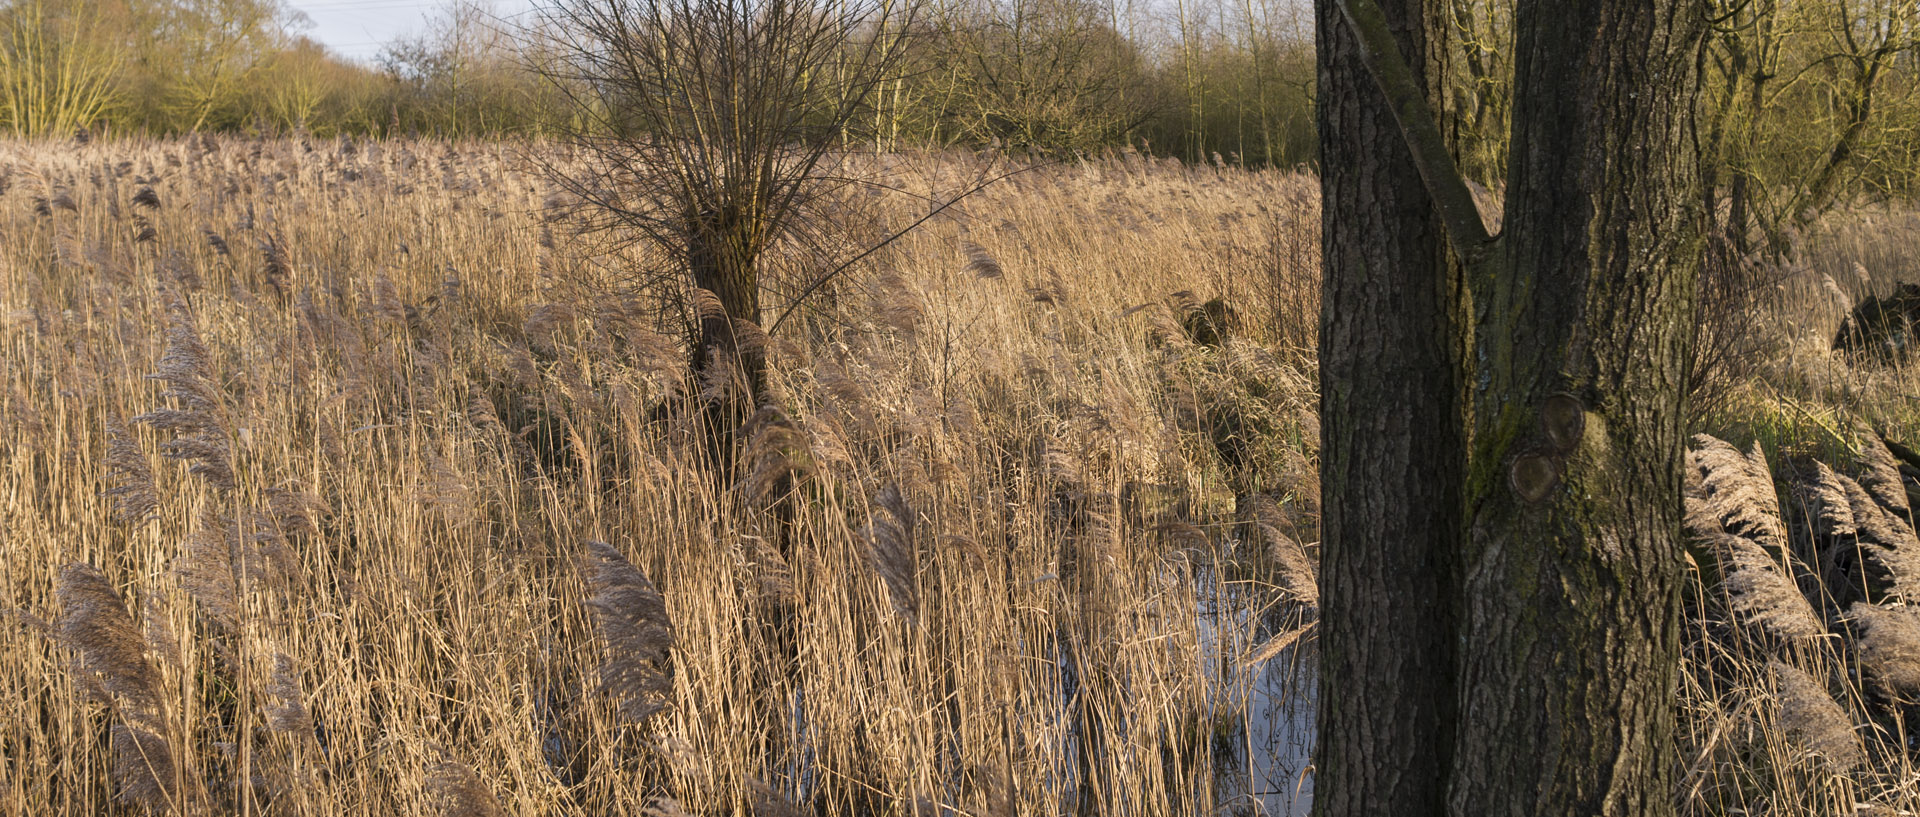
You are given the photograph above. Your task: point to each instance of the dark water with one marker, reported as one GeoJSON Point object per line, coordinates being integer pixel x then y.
{"type": "Point", "coordinates": [1264, 746]}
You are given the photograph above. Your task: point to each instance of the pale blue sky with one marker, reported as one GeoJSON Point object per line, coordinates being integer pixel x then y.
{"type": "Point", "coordinates": [357, 29]}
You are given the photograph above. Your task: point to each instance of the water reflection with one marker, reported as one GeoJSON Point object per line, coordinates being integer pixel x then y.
{"type": "Point", "coordinates": [1266, 771]}
{"type": "Point", "coordinates": [1263, 712]}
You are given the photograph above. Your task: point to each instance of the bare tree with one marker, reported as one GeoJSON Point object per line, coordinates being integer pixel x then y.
{"type": "Point", "coordinates": [1048, 74]}
{"type": "Point", "coordinates": [709, 128]}
{"type": "Point", "coordinates": [55, 75]}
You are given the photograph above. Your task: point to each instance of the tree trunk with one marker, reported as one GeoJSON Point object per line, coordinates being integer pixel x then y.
{"type": "Point", "coordinates": [1563, 639]}
{"type": "Point", "coordinates": [1570, 600]}
{"type": "Point", "coordinates": [1394, 459]}
{"type": "Point", "coordinates": [722, 263]}
{"type": "Point", "coordinates": [730, 347]}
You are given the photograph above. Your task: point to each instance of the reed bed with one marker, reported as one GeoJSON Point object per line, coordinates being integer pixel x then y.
{"type": "Point", "coordinates": [345, 478]}
{"type": "Point", "coordinates": [1803, 645]}
{"type": "Point", "coordinates": [353, 478]}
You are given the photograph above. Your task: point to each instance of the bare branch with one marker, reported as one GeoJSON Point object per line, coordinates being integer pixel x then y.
{"type": "Point", "coordinates": [1448, 188]}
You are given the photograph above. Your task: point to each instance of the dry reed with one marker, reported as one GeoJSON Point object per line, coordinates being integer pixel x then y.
{"type": "Point", "coordinates": [399, 395]}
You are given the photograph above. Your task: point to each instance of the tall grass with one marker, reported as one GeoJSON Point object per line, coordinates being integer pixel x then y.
{"type": "Point", "coordinates": [1803, 645]}
{"type": "Point", "coordinates": [306, 444]}
{"type": "Point", "coordinates": [347, 478]}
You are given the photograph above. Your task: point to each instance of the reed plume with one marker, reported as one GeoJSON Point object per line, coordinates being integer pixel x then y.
{"type": "Point", "coordinates": [215, 241]}
{"type": "Point", "coordinates": [130, 478]}
{"type": "Point", "coordinates": [143, 768]}
{"type": "Point", "coordinates": [275, 266]}
{"type": "Point", "coordinates": [766, 801]}
{"type": "Point", "coordinates": [225, 560]}
{"type": "Point", "coordinates": [981, 263]}
{"type": "Point", "coordinates": [778, 452]}
{"type": "Point", "coordinates": [111, 661]}
{"type": "Point", "coordinates": [1263, 522]}
{"type": "Point", "coordinates": [639, 636]}
{"type": "Point", "coordinates": [454, 790]}
{"type": "Point", "coordinates": [287, 708]}
{"type": "Point", "coordinates": [1810, 715]}
{"type": "Point", "coordinates": [1832, 507]}
{"type": "Point", "coordinates": [771, 573]}
{"type": "Point", "coordinates": [890, 552]}
{"type": "Point", "coordinates": [664, 807]}
{"type": "Point", "coordinates": [1889, 647]}
{"type": "Point", "coordinates": [1881, 475]}
{"type": "Point", "coordinates": [203, 438]}
{"type": "Point", "coordinates": [206, 571]}
{"type": "Point", "coordinates": [1869, 549]}
{"type": "Point", "coordinates": [1731, 508]}
{"type": "Point", "coordinates": [1759, 593]}
{"type": "Point", "coordinates": [1887, 540]}
{"type": "Point", "coordinates": [1736, 494]}
{"type": "Point", "coordinates": [111, 655]}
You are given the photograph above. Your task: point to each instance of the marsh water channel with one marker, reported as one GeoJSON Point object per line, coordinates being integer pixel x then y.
{"type": "Point", "coordinates": [1260, 709]}
{"type": "Point", "coordinates": [1259, 716]}
{"type": "Point", "coordinates": [1263, 711]}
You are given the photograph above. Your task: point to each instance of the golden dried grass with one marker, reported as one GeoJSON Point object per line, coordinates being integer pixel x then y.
{"type": "Point", "coordinates": [401, 398]}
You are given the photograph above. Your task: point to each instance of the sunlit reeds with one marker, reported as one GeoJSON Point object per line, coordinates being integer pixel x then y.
{"type": "Point", "coordinates": [306, 443]}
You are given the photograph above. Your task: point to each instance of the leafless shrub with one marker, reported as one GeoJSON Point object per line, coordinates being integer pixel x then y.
{"type": "Point", "coordinates": [712, 187]}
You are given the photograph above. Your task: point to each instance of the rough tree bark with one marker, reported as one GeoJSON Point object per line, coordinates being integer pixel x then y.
{"type": "Point", "coordinates": [721, 260]}
{"type": "Point", "coordinates": [729, 345]}
{"type": "Point", "coordinates": [1391, 409]}
{"type": "Point", "coordinates": [1566, 613]}
{"type": "Point", "coordinates": [1570, 605]}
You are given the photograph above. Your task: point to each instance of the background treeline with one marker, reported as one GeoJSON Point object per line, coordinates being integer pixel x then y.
{"type": "Point", "coordinates": [178, 66]}
{"type": "Point", "coordinates": [1808, 101]}
{"type": "Point", "coordinates": [1187, 79]}
{"type": "Point", "coordinates": [1804, 102]}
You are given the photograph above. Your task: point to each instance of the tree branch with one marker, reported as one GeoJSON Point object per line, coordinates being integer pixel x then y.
{"type": "Point", "coordinates": [1445, 185]}
{"type": "Point", "coordinates": [800, 299]}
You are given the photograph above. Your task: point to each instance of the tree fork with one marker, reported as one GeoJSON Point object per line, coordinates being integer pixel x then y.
{"type": "Point", "coordinates": [1566, 599]}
